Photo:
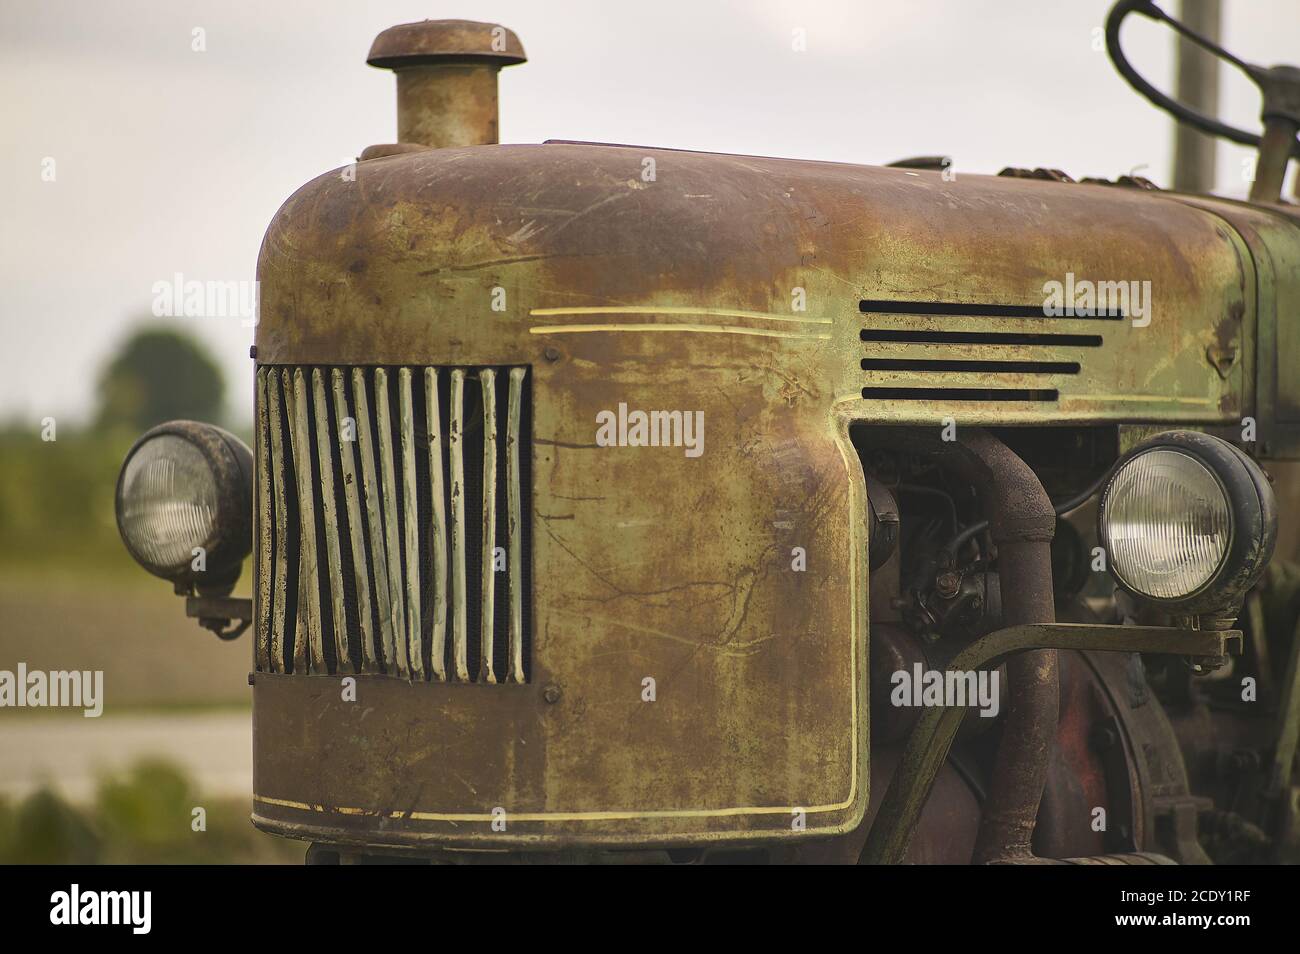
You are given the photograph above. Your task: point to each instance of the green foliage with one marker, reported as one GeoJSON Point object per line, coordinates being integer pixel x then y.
{"type": "Point", "coordinates": [45, 830]}
{"type": "Point", "coordinates": [56, 497]}
{"type": "Point", "coordinates": [140, 814]}
{"type": "Point", "coordinates": [56, 500]}
{"type": "Point", "coordinates": [143, 817]}
{"type": "Point", "coordinates": [159, 375]}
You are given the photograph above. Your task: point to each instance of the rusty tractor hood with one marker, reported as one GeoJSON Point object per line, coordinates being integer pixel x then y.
{"type": "Point", "coordinates": [780, 301]}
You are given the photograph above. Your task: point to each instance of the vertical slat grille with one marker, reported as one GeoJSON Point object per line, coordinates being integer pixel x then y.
{"type": "Point", "coordinates": [381, 509]}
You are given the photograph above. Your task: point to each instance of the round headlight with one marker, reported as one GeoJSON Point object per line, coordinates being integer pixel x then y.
{"type": "Point", "coordinates": [1188, 522]}
{"type": "Point", "coordinates": [184, 503]}
{"type": "Point", "coordinates": [1168, 523]}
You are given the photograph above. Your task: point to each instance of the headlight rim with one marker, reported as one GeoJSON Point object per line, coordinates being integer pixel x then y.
{"type": "Point", "coordinates": [1252, 513]}
{"type": "Point", "coordinates": [230, 540]}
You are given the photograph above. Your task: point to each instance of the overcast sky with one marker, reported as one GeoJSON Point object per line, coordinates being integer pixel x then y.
{"type": "Point", "coordinates": [169, 160]}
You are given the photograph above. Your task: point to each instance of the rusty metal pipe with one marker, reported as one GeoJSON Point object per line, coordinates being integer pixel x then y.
{"type": "Point", "coordinates": [1022, 521]}
{"type": "Point", "coordinates": [1275, 148]}
{"type": "Point", "coordinates": [1020, 770]}
{"type": "Point", "coordinates": [443, 106]}
{"type": "Point", "coordinates": [446, 79]}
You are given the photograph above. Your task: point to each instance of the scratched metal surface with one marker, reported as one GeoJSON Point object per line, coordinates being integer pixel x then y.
{"type": "Point", "coordinates": [1272, 240]}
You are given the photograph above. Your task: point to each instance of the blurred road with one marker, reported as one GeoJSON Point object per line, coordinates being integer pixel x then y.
{"type": "Point", "coordinates": [70, 752]}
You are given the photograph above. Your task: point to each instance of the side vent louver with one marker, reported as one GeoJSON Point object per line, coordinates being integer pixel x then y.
{"type": "Point", "coordinates": [393, 530]}
{"type": "Point", "coordinates": [949, 351]}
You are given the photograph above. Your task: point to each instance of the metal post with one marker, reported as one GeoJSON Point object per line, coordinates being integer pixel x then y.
{"type": "Point", "coordinates": [1197, 85]}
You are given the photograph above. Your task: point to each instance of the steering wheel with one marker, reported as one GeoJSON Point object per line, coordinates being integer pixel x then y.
{"type": "Point", "coordinates": [1279, 86]}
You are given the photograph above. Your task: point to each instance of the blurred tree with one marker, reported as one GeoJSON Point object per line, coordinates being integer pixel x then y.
{"type": "Point", "coordinates": [159, 375]}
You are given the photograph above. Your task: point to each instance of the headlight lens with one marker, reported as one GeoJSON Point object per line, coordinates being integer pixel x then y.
{"type": "Point", "coordinates": [187, 486]}
{"type": "Point", "coordinates": [168, 501]}
{"type": "Point", "coordinates": [1166, 522]}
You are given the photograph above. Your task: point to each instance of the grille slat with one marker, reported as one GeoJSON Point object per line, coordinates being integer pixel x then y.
{"type": "Point", "coordinates": [437, 527]}
{"type": "Point", "coordinates": [514, 526]}
{"type": "Point", "coordinates": [262, 520]}
{"type": "Point", "coordinates": [459, 609]}
{"type": "Point", "coordinates": [395, 650]}
{"type": "Point", "coordinates": [309, 652]}
{"type": "Point", "coordinates": [960, 394]}
{"type": "Point", "coordinates": [325, 459]}
{"type": "Point", "coordinates": [280, 561]}
{"type": "Point", "coordinates": [939, 337]}
{"type": "Point", "coordinates": [411, 526]}
{"type": "Point", "coordinates": [356, 532]}
{"type": "Point", "coordinates": [948, 366]}
{"type": "Point", "coordinates": [368, 527]}
{"type": "Point", "coordinates": [395, 654]}
{"type": "Point", "coordinates": [487, 588]}
{"type": "Point", "coordinates": [378, 556]}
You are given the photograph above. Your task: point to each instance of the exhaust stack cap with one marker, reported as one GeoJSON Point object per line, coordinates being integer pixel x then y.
{"type": "Point", "coordinates": [430, 42]}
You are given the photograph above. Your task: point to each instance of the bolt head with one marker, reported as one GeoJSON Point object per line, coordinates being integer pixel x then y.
{"type": "Point", "coordinates": [1104, 737]}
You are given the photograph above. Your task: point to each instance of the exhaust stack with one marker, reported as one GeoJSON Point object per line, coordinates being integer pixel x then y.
{"type": "Point", "coordinates": [446, 79]}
